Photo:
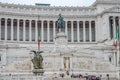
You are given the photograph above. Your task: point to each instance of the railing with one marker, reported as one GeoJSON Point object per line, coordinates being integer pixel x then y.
{"type": "Point", "coordinates": [32, 77]}
{"type": "Point", "coordinates": [17, 77]}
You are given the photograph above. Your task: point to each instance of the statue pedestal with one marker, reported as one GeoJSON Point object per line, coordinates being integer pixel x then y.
{"type": "Point", "coordinates": [60, 42]}
{"type": "Point", "coordinates": [61, 39]}
{"type": "Point", "coordinates": [38, 71]}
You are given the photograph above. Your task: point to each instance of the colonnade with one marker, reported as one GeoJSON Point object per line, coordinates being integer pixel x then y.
{"type": "Point", "coordinates": [114, 25]}
{"type": "Point", "coordinates": [27, 30]}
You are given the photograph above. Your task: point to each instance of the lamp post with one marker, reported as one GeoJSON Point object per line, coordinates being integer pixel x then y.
{"type": "Point", "coordinates": [100, 77]}
{"type": "Point", "coordinates": [107, 76]}
{"type": "Point", "coordinates": [86, 76]}
{"type": "Point", "coordinates": [72, 64]}
{"type": "Point", "coordinates": [54, 70]}
{"type": "Point", "coordinates": [11, 76]}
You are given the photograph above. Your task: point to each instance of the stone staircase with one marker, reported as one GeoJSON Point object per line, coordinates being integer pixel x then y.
{"type": "Point", "coordinates": [65, 79]}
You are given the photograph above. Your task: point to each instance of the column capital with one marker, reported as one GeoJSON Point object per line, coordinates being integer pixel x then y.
{"type": "Point", "coordinates": [11, 18]}
{"type": "Point", "coordinates": [54, 20]}
{"type": "Point", "coordinates": [36, 19]}
{"type": "Point", "coordinates": [66, 20]}
{"type": "Point", "coordinates": [113, 16]}
{"type": "Point", "coordinates": [30, 19]}
{"type": "Point", "coordinates": [42, 20]}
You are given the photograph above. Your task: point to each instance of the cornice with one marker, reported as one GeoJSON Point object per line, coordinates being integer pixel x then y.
{"type": "Point", "coordinates": [50, 8]}
{"type": "Point", "coordinates": [55, 16]}
{"type": "Point", "coordinates": [34, 6]}
{"type": "Point", "coordinates": [114, 2]}
{"type": "Point", "coordinates": [115, 9]}
{"type": "Point", "coordinates": [102, 48]}
{"type": "Point", "coordinates": [48, 11]}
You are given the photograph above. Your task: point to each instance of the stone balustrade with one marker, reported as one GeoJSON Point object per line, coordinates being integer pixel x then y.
{"type": "Point", "coordinates": [32, 77]}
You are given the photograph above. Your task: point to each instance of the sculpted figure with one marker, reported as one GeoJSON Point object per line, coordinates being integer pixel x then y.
{"type": "Point", "coordinates": [60, 23]}
{"type": "Point", "coordinates": [37, 59]}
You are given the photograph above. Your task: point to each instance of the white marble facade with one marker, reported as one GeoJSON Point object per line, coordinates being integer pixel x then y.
{"type": "Point", "coordinates": [87, 48]}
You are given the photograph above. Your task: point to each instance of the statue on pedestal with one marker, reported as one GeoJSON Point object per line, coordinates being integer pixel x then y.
{"type": "Point", "coordinates": [60, 23]}
{"type": "Point", "coordinates": [37, 59]}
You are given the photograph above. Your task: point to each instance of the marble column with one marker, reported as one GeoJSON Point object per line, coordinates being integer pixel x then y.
{"type": "Point", "coordinates": [114, 27]}
{"type": "Point", "coordinates": [114, 61]}
{"type": "Point", "coordinates": [72, 32]}
{"type": "Point", "coordinates": [12, 30]}
{"type": "Point", "coordinates": [84, 34]}
{"type": "Point", "coordinates": [0, 29]}
{"type": "Point", "coordinates": [36, 31]}
{"type": "Point", "coordinates": [48, 32]}
{"type": "Point", "coordinates": [24, 33]}
{"type": "Point", "coordinates": [62, 62]}
{"type": "Point", "coordinates": [18, 29]}
{"type": "Point", "coordinates": [54, 30]}
{"type": "Point", "coordinates": [5, 28]}
{"type": "Point", "coordinates": [90, 32]}
{"type": "Point", "coordinates": [95, 32]}
{"type": "Point", "coordinates": [66, 29]}
{"type": "Point", "coordinates": [42, 31]}
{"type": "Point", "coordinates": [30, 30]}
{"type": "Point", "coordinates": [71, 62]}
{"type": "Point", "coordinates": [117, 54]}
{"type": "Point", "coordinates": [78, 33]}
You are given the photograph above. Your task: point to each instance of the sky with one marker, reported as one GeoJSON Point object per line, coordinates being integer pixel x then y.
{"type": "Point", "coordinates": [52, 2]}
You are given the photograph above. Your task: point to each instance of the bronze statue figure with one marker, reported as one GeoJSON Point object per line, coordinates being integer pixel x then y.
{"type": "Point", "coordinates": [37, 60]}
{"type": "Point", "coordinates": [60, 23]}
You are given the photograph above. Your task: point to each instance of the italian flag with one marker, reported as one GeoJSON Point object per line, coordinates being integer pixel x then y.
{"type": "Point", "coordinates": [116, 42]}
{"type": "Point", "coordinates": [38, 41]}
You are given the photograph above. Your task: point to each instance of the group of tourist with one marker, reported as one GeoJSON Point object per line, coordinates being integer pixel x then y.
{"type": "Point", "coordinates": [88, 77]}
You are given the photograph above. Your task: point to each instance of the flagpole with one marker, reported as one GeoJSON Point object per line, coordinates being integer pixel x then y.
{"type": "Point", "coordinates": [38, 35]}
{"type": "Point", "coordinates": [119, 49]}
{"type": "Point", "coordinates": [38, 41]}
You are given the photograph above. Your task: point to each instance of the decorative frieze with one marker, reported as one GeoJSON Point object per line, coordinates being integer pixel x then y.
{"type": "Point", "coordinates": [43, 10]}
